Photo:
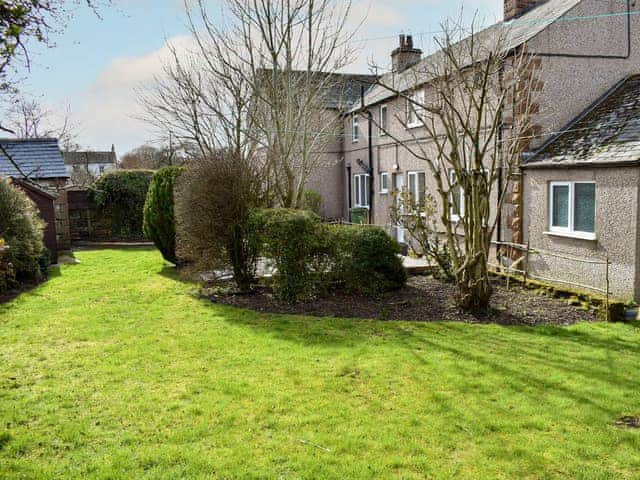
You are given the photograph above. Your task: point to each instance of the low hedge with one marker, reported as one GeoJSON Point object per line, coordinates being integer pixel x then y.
{"type": "Point", "coordinates": [159, 218]}
{"type": "Point", "coordinates": [299, 245]}
{"type": "Point", "coordinates": [366, 260]}
{"type": "Point", "coordinates": [310, 255]}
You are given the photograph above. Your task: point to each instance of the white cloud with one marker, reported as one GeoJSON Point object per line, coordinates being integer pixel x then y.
{"type": "Point", "coordinates": [109, 111]}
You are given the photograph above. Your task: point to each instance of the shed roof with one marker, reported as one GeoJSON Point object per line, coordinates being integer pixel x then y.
{"type": "Point", "coordinates": [516, 33]}
{"type": "Point", "coordinates": [37, 158]}
{"type": "Point", "coordinates": [607, 133]}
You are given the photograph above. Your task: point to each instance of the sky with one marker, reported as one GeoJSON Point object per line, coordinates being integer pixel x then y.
{"type": "Point", "coordinates": [98, 62]}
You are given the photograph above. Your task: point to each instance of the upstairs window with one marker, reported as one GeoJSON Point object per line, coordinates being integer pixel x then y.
{"type": "Point", "coordinates": [361, 190]}
{"type": "Point", "coordinates": [383, 120]}
{"type": "Point", "coordinates": [415, 109]}
{"type": "Point", "coordinates": [417, 186]}
{"type": "Point", "coordinates": [355, 128]}
{"type": "Point", "coordinates": [572, 209]}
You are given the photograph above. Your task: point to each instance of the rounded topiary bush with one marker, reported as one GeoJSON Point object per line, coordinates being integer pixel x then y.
{"type": "Point", "coordinates": [159, 217]}
{"type": "Point", "coordinates": [22, 230]}
{"type": "Point", "coordinates": [367, 261]}
{"type": "Point", "coordinates": [300, 247]}
{"type": "Point", "coordinates": [123, 193]}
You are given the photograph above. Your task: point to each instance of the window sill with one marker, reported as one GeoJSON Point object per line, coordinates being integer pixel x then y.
{"type": "Point", "coordinates": [574, 235]}
{"type": "Point", "coordinates": [384, 192]}
{"type": "Point", "coordinates": [412, 126]}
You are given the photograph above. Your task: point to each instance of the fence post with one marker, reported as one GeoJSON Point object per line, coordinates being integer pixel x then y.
{"type": "Point", "coordinates": [607, 299]}
{"type": "Point", "coordinates": [526, 262]}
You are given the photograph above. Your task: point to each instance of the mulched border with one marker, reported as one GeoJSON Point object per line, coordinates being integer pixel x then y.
{"type": "Point", "coordinates": [423, 299]}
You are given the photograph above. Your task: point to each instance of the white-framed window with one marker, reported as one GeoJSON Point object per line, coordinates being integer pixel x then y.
{"type": "Point", "coordinates": [361, 189]}
{"type": "Point", "coordinates": [101, 168]}
{"type": "Point", "coordinates": [572, 209]}
{"type": "Point", "coordinates": [384, 121]}
{"type": "Point", "coordinates": [355, 128]}
{"type": "Point", "coordinates": [385, 178]}
{"type": "Point", "coordinates": [456, 198]}
{"type": "Point", "coordinates": [416, 186]}
{"type": "Point", "coordinates": [415, 109]}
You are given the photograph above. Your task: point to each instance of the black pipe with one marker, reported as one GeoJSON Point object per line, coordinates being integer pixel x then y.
{"type": "Point", "coordinates": [349, 188]}
{"type": "Point", "coordinates": [371, 169]}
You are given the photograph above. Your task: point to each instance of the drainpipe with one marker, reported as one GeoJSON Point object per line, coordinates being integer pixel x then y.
{"type": "Point", "coordinates": [370, 153]}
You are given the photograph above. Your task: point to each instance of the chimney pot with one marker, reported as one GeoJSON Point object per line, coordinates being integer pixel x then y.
{"type": "Point", "coordinates": [406, 55]}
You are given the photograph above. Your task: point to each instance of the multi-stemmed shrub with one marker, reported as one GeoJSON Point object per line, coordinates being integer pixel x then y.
{"type": "Point", "coordinates": [214, 197]}
{"type": "Point", "coordinates": [159, 216]}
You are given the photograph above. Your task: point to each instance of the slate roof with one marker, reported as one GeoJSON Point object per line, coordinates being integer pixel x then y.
{"type": "Point", "coordinates": [608, 133]}
{"type": "Point", "coordinates": [38, 158]}
{"type": "Point", "coordinates": [516, 33]}
{"type": "Point", "coordinates": [347, 90]}
{"type": "Point", "coordinates": [85, 158]}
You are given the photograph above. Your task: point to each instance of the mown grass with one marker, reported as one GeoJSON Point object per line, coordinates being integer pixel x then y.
{"type": "Point", "coordinates": [112, 370]}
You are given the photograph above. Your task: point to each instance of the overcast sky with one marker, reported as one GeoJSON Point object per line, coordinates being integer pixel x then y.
{"type": "Point", "coordinates": [98, 62]}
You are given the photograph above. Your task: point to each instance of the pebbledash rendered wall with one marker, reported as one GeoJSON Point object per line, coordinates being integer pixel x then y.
{"type": "Point", "coordinates": [570, 85]}
{"type": "Point", "coordinates": [616, 228]}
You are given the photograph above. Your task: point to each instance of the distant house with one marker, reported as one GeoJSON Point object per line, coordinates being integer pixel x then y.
{"type": "Point", "coordinates": [93, 163]}
{"type": "Point", "coordinates": [37, 166]}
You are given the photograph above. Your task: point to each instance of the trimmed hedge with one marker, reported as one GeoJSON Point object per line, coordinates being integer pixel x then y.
{"type": "Point", "coordinates": [367, 261]}
{"type": "Point", "coordinates": [310, 255]}
{"type": "Point", "coordinates": [22, 230]}
{"type": "Point", "coordinates": [123, 193]}
{"type": "Point", "coordinates": [300, 247]}
{"type": "Point", "coordinates": [159, 218]}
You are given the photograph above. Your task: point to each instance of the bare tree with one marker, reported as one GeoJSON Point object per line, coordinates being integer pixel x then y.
{"type": "Point", "coordinates": [28, 118]}
{"type": "Point", "coordinates": [257, 83]}
{"type": "Point", "coordinates": [473, 101]}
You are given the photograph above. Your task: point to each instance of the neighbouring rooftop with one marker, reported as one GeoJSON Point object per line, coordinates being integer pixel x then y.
{"type": "Point", "coordinates": [607, 133]}
{"type": "Point", "coordinates": [36, 158]}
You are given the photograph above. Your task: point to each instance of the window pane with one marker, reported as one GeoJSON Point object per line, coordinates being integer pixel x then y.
{"type": "Point", "coordinates": [357, 182]}
{"type": "Point", "coordinates": [421, 186]}
{"type": "Point", "coordinates": [585, 207]}
{"type": "Point", "coordinates": [560, 199]}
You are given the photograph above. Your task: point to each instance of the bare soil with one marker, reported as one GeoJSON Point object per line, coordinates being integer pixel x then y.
{"type": "Point", "coordinates": [424, 299]}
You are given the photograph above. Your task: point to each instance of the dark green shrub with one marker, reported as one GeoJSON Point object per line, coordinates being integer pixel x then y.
{"type": "Point", "coordinates": [300, 247]}
{"type": "Point", "coordinates": [22, 230]}
{"type": "Point", "coordinates": [313, 201]}
{"type": "Point", "coordinates": [7, 272]}
{"type": "Point", "coordinates": [123, 193]}
{"type": "Point", "coordinates": [366, 260]}
{"type": "Point", "coordinates": [159, 219]}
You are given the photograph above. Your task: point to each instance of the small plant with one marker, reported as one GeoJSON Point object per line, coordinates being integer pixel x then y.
{"type": "Point", "coordinates": [300, 247]}
{"type": "Point", "coordinates": [159, 219]}
{"type": "Point", "coordinates": [123, 193]}
{"type": "Point", "coordinates": [22, 229]}
{"type": "Point", "coordinates": [367, 260]}
{"type": "Point", "coordinates": [418, 221]}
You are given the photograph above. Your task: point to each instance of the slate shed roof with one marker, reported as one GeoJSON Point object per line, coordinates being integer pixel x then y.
{"type": "Point", "coordinates": [512, 34]}
{"type": "Point", "coordinates": [608, 133]}
{"type": "Point", "coordinates": [85, 158]}
{"type": "Point", "coordinates": [38, 158]}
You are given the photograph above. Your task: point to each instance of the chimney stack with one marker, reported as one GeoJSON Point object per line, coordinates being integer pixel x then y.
{"type": "Point", "coordinates": [405, 56]}
{"type": "Point", "coordinates": [516, 8]}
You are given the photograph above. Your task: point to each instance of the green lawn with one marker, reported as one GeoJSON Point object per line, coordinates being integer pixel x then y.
{"type": "Point", "coordinates": [112, 370]}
